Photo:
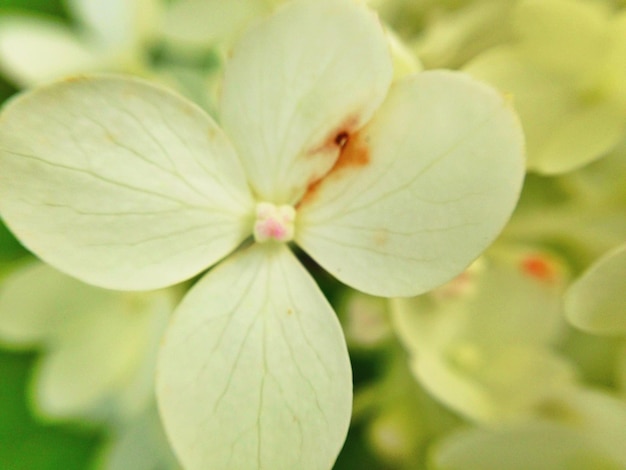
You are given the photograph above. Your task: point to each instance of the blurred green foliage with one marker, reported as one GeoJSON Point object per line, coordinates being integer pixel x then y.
{"type": "Point", "coordinates": [51, 7]}
{"type": "Point", "coordinates": [26, 444]}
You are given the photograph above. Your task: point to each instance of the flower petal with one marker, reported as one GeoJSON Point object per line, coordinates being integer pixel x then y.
{"type": "Point", "coordinates": [569, 38]}
{"type": "Point", "coordinates": [419, 192]}
{"type": "Point", "coordinates": [205, 23]}
{"type": "Point", "coordinates": [481, 344]}
{"type": "Point", "coordinates": [101, 365]}
{"type": "Point", "coordinates": [120, 183]}
{"type": "Point", "coordinates": [254, 371]}
{"type": "Point", "coordinates": [563, 130]}
{"type": "Point", "coordinates": [99, 346]}
{"type": "Point", "coordinates": [28, 320]}
{"type": "Point", "coordinates": [117, 23]}
{"type": "Point", "coordinates": [295, 83]}
{"type": "Point", "coordinates": [585, 430]}
{"type": "Point", "coordinates": [34, 50]}
{"type": "Point", "coordinates": [596, 302]}
{"type": "Point", "coordinates": [540, 445]}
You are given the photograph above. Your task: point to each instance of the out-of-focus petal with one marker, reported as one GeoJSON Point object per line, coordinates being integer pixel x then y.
{"type": "Point", "coordinates": [596, 302]}
{"type": "Point", "coordinates": [35, 50]}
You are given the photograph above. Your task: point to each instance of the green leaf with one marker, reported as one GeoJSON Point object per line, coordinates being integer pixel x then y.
{"type": "Point", "coordinates": [26, 444]}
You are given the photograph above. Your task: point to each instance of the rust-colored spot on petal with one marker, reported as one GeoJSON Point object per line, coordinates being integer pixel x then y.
{"type": "Point", "coordinates": [336, 139]}
{"type": "Point", "coordinates": [353, 153]}
{"type": "Point", "coordinates": [342, 139]}
{"type": "Point", "coordinates": [538, 267]}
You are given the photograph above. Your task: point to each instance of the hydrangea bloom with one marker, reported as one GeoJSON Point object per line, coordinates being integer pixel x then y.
{"type": "Point", "coordinates": [566, 70]}
{"type": "Point", "coordinates": [481, 343]}
{"type": "Point", "coordinates": [393, 189]}
{"type": "Point", "coordinates": [584, 429]}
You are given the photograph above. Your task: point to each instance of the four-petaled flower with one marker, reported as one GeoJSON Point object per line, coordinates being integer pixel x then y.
{"type": "Point", "coordinates": [393, 189]}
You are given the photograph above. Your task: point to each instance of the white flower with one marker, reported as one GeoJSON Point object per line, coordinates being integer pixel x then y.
{"type": "Point", "coordinates": [393, 189]}
{"type": "Point", "coordinates": [111, 35]}
{"type": "Point", "coordinates": [584, 429]}
{"type": "Point", "coordinates": [98, 346]}
{"type": "Point", "coordinates": [482, 343]}
{"type": "Point", "coordinates": [566, 69]}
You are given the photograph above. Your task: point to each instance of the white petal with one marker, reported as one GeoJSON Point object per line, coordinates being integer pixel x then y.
{"type": "Point", "coordinates": [295, 83]}
{"type": "Point", "coordinates": [204, 23]}
{"type": "Point", "coordinates": [120, 183]}
{"type": "Point", "coordinates": [596, 302]}
{"type": "Point", "coordinates": [537, 445]}
{"type": "Point", "coordinates": [563, 131]}
{"type": "Point", "coordinates": [493, 386]}
{"type": "Point", "coordinates": [34, 50]}
{"type": "Point", "coordinates": [586, 430]}
{"type": "Point", "coordinates": [101, 365]}
{"type": "Point", "coordinates": [482, 346]}
{"type": "Point", "coordinates": [421, 191]}
{"type": "Point", "coordinates": [28, 320]}
{"type": "Point", "coordinates": [117, 23]}
{"type": "Point", "coordinates": [569, 38]}
{"type": "Point", "coordinates": [254, 371]}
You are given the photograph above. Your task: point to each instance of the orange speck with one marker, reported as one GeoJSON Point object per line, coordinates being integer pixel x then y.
{"type": "Point", "coordinates": [538, 267]}
{"type": "Point", "coordinates": [381, 237]}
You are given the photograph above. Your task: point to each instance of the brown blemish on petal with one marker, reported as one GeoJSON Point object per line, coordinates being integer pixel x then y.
{"type": "Point", "coordinates": [342, 139]}
{"type": "Point", "coordinates": [336, 139]}
{"type": "Point", "coordinates": [353, 153]}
